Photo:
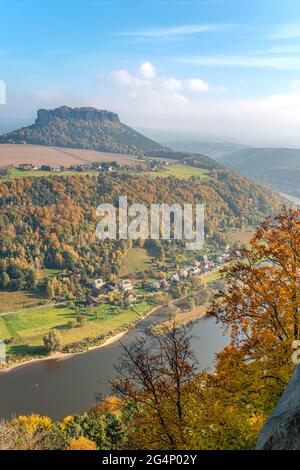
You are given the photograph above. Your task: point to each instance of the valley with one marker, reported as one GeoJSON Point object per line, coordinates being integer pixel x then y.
{"type": "Point", "coordinates": [149, 230]}
{"type": "Point", "coordinates": [278, 168]}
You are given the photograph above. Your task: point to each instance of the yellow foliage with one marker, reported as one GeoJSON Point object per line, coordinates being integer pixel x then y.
{"type": "Point", "coordinates": [110, 404]}
{"type": "Point", "coordinates": [67, 420]}
{"type": "Point", "coordinates": [32, 422]}
{"type": "Point", "coordinates": [82, 443]}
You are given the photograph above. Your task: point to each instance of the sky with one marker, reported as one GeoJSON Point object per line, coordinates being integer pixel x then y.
{"type": "Point", "coordinates": [203, 69]}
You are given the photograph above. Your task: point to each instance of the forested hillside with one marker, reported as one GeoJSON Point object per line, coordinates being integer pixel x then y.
{"type": "Point", "coordinates": [184, 408]}
{"type": "Point", "coordinates": [50, 222]}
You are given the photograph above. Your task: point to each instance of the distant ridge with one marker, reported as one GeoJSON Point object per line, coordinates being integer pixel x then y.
{"type": "Point", "coordinates": [278, 167]}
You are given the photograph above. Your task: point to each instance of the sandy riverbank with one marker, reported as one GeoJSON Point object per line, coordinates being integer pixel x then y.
{"type": "Point", "coordinates": [181, 319]}
{"type": "Point", "coordinates": [60, 356]}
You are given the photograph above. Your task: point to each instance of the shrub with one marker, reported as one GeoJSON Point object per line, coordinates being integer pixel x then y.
{"type": "Point", "coordinates": [82, 443]}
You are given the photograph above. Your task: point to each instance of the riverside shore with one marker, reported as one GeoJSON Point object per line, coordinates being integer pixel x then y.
{"type": "Point", "coordinates": [181, 318]}
{"type": "Point", "coordinates": [60, 356]}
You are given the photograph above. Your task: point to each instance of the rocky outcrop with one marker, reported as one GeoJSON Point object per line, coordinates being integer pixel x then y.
{"type": "Point", "coordinates": [282, 430]}
{"type": "Point", "coordinates": [44, 116]}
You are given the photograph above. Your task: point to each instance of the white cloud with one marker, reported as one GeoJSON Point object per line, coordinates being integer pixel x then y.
{"type": "Point", "coordinates": [295, 85]}
{"type": "Point", "coordinates": [196, 84]}
{"type": "Point", "coordinates": [168, 104]}
{"type": "Point", "coordinates": [147, 71]}
{"type": "Point", "coordinates": [179, 30]}
{"type": "Point", "coordinates": [282, 49]}
{"type": "Point", "coordinates": [155, 90]}
{"type": "Point", "coordinates": [258, 61]}
{"type": "Point", "coordinates": [124, 78]}
{"type": "Point", "coordinates": [286, 31]}
{"type": "Point", "coordinates": [171, 85]}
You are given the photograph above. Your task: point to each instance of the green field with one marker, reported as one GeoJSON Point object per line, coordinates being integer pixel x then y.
{"type": "Point", "coordinates": [16, 173]}
{"type": "Point", "coordinates": [4, 333]}
{"type": "Point", "coordinates": [211, 277]}
{"type": "Point", "coordinates": [180, 171]}
{"type": "Point", "coordinates": [29, 327]}
{"type": "Point", "coordinates": [137, 260]}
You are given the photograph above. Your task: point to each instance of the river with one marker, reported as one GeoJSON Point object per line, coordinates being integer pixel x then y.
{"type": "Point", "coordinates": [293, 199]}
{"type": "Point", "coordinates": [59, 388]}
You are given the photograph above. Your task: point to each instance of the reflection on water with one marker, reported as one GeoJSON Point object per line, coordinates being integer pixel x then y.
{"type": "Point", "coordinates": [60, 388]}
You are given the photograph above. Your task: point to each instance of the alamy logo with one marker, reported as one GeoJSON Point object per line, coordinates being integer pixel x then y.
{"type": "Point", "coordinates": [159, 221]}
{"type": "Point", "coordinates": [2, 92]}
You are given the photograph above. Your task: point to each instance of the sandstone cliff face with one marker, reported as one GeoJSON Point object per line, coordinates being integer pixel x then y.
{"type": "Point", "coordinates": [86, 114]}
{"type": "Point", "coordinates": [282, 430]}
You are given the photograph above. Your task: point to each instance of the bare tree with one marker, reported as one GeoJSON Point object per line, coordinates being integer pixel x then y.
{"type": "Point", "coordinates": [156, 375]}
{"type": "Point", "coordinates": [17, 437]}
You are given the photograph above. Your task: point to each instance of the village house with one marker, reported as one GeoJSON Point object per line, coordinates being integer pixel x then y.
{"type": "Point", "coordinates": [164, 284]}
{"type": "Point", "coordinates": [183, 273]}
{"type": "Point", "coordinates": [156, 286]}
{"type": "Point", "coordinates": [98, 283]}
{"type": "Point", "coordinates": [130, 298]}
{"type": "Point", "coordinates": [56, 168]}
{"type": "Point", "coordinates": [175, 278]}
{"type": "Point", "coordinates": [111, 286]}
{"type": "Point", "coordinates": [27, 167]}
{"type": "Point", "coordinates": [126, 285]}
{"type": "Point", "coordinates": [193, 270]}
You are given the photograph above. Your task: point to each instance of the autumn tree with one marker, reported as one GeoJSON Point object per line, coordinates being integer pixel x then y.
{"type": "Point", "coordinates": [261, 307]}
{"type": "Point", "coordinates": [52, 341]}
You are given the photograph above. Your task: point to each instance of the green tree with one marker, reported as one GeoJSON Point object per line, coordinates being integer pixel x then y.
{"type": "Point", "coordinates": [52, 341]}
{"type": "Point", "coordinates": [4, 280]}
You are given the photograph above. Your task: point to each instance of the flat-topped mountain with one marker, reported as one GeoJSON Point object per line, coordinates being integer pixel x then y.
{"type": "Point", "coordinates": [94, 129]}
{"type": "Point", "coordinates": [87, 128]}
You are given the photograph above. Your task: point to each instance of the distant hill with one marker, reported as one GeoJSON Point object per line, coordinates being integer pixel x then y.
{"type": "Point", "coordinates": [194, 159]}
{"type": "Point", "coordinates": [86, 128]}
{"type": "Point", "coordinates": [215, 150]}
{"type": "Point", "coordinates": [278, 167]}
{"type": "Point", "coordinates": [93, 129]}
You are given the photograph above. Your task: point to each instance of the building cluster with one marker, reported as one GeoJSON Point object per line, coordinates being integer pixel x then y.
{"type": "Point", "coordinates": [201, 265]}
{"type": "Point", "coordinates": [103, 166]}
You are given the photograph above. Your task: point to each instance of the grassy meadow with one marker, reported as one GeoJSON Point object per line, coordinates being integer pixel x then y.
{"type": "Point", "coordinates": [28, 327]}
{"type": "Point", "coordinates": [137, 260]}
{"type": "Point", "coordinates": [180, 171]}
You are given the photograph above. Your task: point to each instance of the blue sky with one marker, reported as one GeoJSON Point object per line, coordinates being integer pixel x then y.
{"type": "Point", "coordinates": [228, 68]}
